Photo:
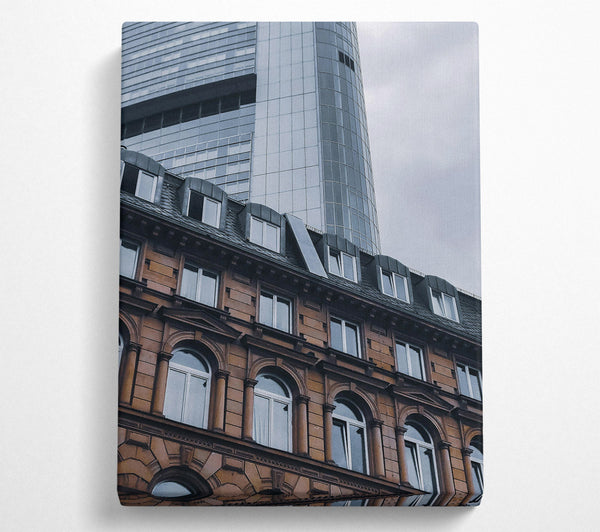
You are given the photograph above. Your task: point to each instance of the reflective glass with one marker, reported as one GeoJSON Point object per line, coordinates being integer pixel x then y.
{"type": "Point", "coordinates": [336, 335]}
{"type": "Point", "coordinates": [402, 358]}
{"type": "Point", "coordinates": [412, 466]}
{"type": "Point", "coordinates": [347, 410]}
{"type": "Point", "coordinates": [174, 393]}
{"type": "Point", "coordinates": [357, 448]}
{"type": "Point", "coordinates": [475, 384]}
{"type": "Point", "coordinates": [351, 340]}
{"type": "Point", "coordinates": [195, 403]}
{"type": "Point", "coordinates": [170, 490]}
{"type": "Point", "coordinates": [256, 231]}
{"type": "Point", "coordinates": [428, 470]}
{"type": "Point", "coordinates": [415, 363]}
{"type": "Point", "coordinates": [271, 237]}
{"type": "Point", "coordinates": [189, 360]}
{"type": "Point", "coordinates": [270, 384]}
{"type": "Point", "coordinates": [334, 263]}
{"type": "Point", "coordinates": [211, 212]}
{"type": "Point", "coordinates": [208, 289]}
{"type": "Point", "coordinates": [348, 266]}
{"type": "Point", "coordinates": [145, 186]}
{"type": "Point", "coordinates": [283, 315]}
{"type": "Point", "coordinates": [128, 259]}
{"type": "Point", "coordinates": [261, 420]}
{"type": "Point", "coordinates": [450, 306]}
{"type": "Point", "coordinates": [338, 443]}
{"type": "Point", "coordinates": [266, 309]}
{"type": "Point", "coordinates": [477, 478]}
{"type": "Point", "coordinates": [280, 428]}
{"type": "Point", "coordinates": [386, 282]}
{"type": "Point", "coordinates": [463, 382]}
{"type": "Point", "coordinates": [189, 282]}
{"type": "Point", "coordinates": [436, 299]}
{"type": "Point", "coordinates": [400, 287]}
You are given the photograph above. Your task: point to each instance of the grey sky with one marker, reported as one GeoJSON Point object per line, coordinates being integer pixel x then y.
{"type": "Point", "coordinates": [421, 90]}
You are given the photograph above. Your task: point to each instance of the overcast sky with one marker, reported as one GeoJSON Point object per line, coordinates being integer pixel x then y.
{"type": "Point", "coordinates": [422, 100]}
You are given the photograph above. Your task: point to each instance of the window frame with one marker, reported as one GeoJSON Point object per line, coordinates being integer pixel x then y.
{"type": "Point", "coordinates": [136, 261]}
{"type": "Point", "coordinates": [343, 324]}
{"type": "Point", "coordinates": [444, 297]}
{"type": "Point", "coordinates": [275, 298]}
{"type": "Point", "coordinates": [347, 443]}
{"type": "Point", "coordinates": [408, 346]}
{"type": "Point", "coordinates": [204, 200]}
{"type": "Point", "coordinates": [330, 254]}
{"type": "Point", "coordinates": [467, 369]}
{"type": "Point", "coordinates": [137, 181]}
{"type": "Point", "coordinates": [393, 276]}
{"type": "Point", "coordinates": [201, 271]}
{"type": "Point", "coordinates": [273, 397]}
{"type": "Point", "coordinates": [189, 372]}
{"type": "Point", "coordinates": [476, 471]}
{"type": "Point", "coordinates": [408, 441]}
{"type": "Point", "coordinates": [264, 224]}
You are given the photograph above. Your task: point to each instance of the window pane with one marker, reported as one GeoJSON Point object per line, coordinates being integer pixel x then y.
{"type": "Point", "coordinates": [196, 402]}
{"type": "Point", "coordinates": [401, 357]}
{"type": "Point", "coordinates": [386, 283]}
{"type": "Point", "coordinates": [338, 443]}
{"type": "Point", "coordinates": [347, 410]}
{"type": "Point", "coordinates": [334, 263]}
{"type": "Point", "coordinates": [436, 298]}
{"type": "Point", "coordinates": [170, 490]}
{"type": "Point", "coordinates": [450, 306]}
{"type": "Point", "coordinates": [196, 205]}
{"type": "Point", "coordinates": [283, 315]}
{"type": "Point", "coordinates": [128, 259]}
{"type": "Point", "coordinates": [427, 467]}
{"type": "Point", "coordinates": [475, 384]}
{"type": "Point", "coordinates": [129, 180]}
{"type": "Point", "coordinates": [271, 237]}
{"type": "Point", "coordinates": [336, 335]}
{"type": "Point", "coordinates": [261, 420]}
{"type": "Point", "coordinates": [189, 360]}
{"type": "Point", "coordinates": [145, 186]}
{"type": "Point", "coordinates": [211, 212]}
{"type": "Point", "coordinates": [174, 395]}
{"type": "Point", "coordinates": [357, 448]}
{"type": "Point", "coordinates": [189, 281]}
{"type": "Point", "coordinates": [400, 287]}
{"type": "Point", "coordinates": [415, 363]}
{"type": "Point", "coordinates": [266, 309]}
{"type": "Point", "coordinates": [348, 266]}
{"type": "Point", "coordinates": [280, 429]}
{"type": "Point", "coordinates": [351, 340]}
{"type": "Point", "coordinates": [256, 231]}
{"type": "Point", "coordinates": [269, 384]}
{"type": "Point", "coordinates": [477, 477]}
{"type": "Point", "coordinates": [463, 383]}
{"type": "Point", "coordinates": [208, 289]}
{"type": "Point", "coordinates": [411, 464]}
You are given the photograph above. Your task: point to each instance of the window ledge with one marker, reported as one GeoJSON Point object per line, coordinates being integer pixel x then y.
{"type": "Point", "coordinates": [366, 364]}
{"type": "Point", "coordinates": [190, 303]}
{"type": "Point", "coordinates": [259, 328]}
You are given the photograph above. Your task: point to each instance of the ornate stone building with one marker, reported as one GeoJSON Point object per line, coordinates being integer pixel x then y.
{"type": "Point", "coordinates": [265, 363]}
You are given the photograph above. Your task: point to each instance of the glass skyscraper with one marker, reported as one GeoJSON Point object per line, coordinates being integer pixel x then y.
{"type": "Point", "coordinates": [272, 112]}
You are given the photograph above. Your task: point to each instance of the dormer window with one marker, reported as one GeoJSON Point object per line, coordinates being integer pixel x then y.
{"type": "Point", "coordinates": [204, 209]}
{"type": "Point", "coordinates": [138, 182]}
{"type": "Point", "coordinates": [395, 285]}
{"type": "Point", "coordinates": [264, 234]}
{"type": "Point", "coordinates": [444, 305]}
{"type": "Point", "coordinates": [342, 264]}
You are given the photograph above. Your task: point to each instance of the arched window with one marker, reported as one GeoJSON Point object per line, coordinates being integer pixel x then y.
{"type": "Point", "coordinates": [420, 462]}
{"type": "Point", "coordinates": [272, 413]}
{"type": "Point", "coordinates": [170, 490]}
{"type": "Point", "coordinates": [349, 437]}
{"type": "Point", "coordinates": [179, 483]}
{"type": "Point", "coordinates": [476, 469]}
{"type": "Point", "coordinates": [121, 347]}
{"type": "Point", "coordinates": [188, 386]}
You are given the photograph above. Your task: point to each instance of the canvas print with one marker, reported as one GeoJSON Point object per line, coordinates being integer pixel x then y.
{"type": "Point", "coordinates": [299, 319]}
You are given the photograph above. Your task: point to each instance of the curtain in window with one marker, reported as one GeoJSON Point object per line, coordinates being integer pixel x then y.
{"type": "Point", "coordinates": [261, 420]}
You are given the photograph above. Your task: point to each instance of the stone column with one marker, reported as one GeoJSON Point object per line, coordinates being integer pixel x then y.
{"type": "Point", "coordinates": [448, 481]}
{"type": "Point", "coordinates": [302, 425]}
{"type": "Point", "coordinates": [377, 447]}
{"type": "Point", "coordinates": [466, 452]}
{"type": "Point", "coordinates": [400, 432]}
{"type": "Point", "coordinates": [248, 417]}
{"type": "Point", "coordinates": [219, 405]}
{"type": "Point", "coordinates": [128, 373]}
{"type": "Point", "coordinates": [160, 382]}
{"type": "Point", "coordinates": [328, 419]}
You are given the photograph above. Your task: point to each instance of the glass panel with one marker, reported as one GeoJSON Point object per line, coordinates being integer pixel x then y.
{"type": "Point", "coordinates": [189, 281]}
{"type": "Point", "coordinates": [283, 315]}
{"type": "Point", "coordinates": [338, 443]}
{"type": "Point", "coordinates": [463, 383]}
{"type": "Point", "coordinates": [334, 263]}
{"type": "Point", "coordinates": [347, 410]}
{"type": "Point", "coordinates": [428, 470]}
{"type": "Point", "coordinates": [417, 433]}
{"type": "Point", "coordinates": [400, 287]}
{"type": "Point", "coordinates": [256, 231]}
{"type": "Point", "coordinates": [129, 180]}
{"type": "Point", "coordinates": [475, 384]}
{"type": "Point", "coordinates": [386, 283]}
{"type": "Point", "coordinates": [436, 299]}
{"type": "Point", "coordinates": [208, 289]}
{"type": "Point", "coordinates": [196, 402]}
{"type": "Point", "coordinates": [189, 360]}
{"type": "Point", "coordinates": [411, 464]}
{"type": "Point", "coordinates": [336, 335]}
{"type": "Point", "coordinates": [211, 212]}
{"type": "Point", "coordinates": [271, 237]}
{"type": "Point", "coordinates": [401, 358]}
{"type": "Point", "coordinates": [261, 420]}
{"type": "Point", "coordinates": [351, 340]}
{"type": "Point", "coordinates": [477, 477]}
{"type": "Point", "coordinates": [450, 306]}
{"type": "Point", "coordinates": [170, 490]}
{"type": "Point", "coordinates": [128, 259]}
{"type": "Point", "coordinates": [348, 266]}
{"type": "Point", "coordinates": [266, 309]}
{"type": "Point", "coordinates": [145, 186]}
{"type": "Point", "coordinates": [174, 395]}
{"type": "Point", "coordinates": [196, 205]}
{"type": "Point", "coordinates": [270, 384]}
{"type": "Point", "coordinates": [280, 428]}
{"type": "Point", "coordinates": [475, 447]}
{"type": "Point", "coordinates": [415, 363]}
{"type": "Point", "coordinates": [357, 448]}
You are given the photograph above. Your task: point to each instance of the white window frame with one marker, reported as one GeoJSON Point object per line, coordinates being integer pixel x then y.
{"type": "Point", "coordinates": [408, 347]}
{"type": "Point", "coordinates": [205, 199]}
{"type": "Point", "coordinates": [426, 445]}
{"type": "Point", "coordinates": [394, 277]}
{"type": "Point", "coordinates": [276, 298]}
{"type": "Point", "coordinates": [467, 370]}
{"type": "Point", "coordinates": [343, 324]}
{"type": "Point", "coordinates": [199, 283]}
{"type": "Point", "coordinates": [332, 252]}
{"type": "Point", "coordinates": [189, 372]}
{"type": "Point", "coordinates": [154, 183]}
{"type": "Point", "coordinates": [360, 424]}
{"type": "Point", "coordinates": [264, 224]}
{"type": "Point", "coordinates": [135, 260]}
{"type": "Point", "coordinates": [447, 299]}
{"type": "Point", "coordinates": [477, 470]}
{"type": "Point", "coordinates": [276, 398]}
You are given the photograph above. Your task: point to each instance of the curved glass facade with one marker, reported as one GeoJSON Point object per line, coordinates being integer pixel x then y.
{"type": "Point", "coordinates": [273, 112]}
